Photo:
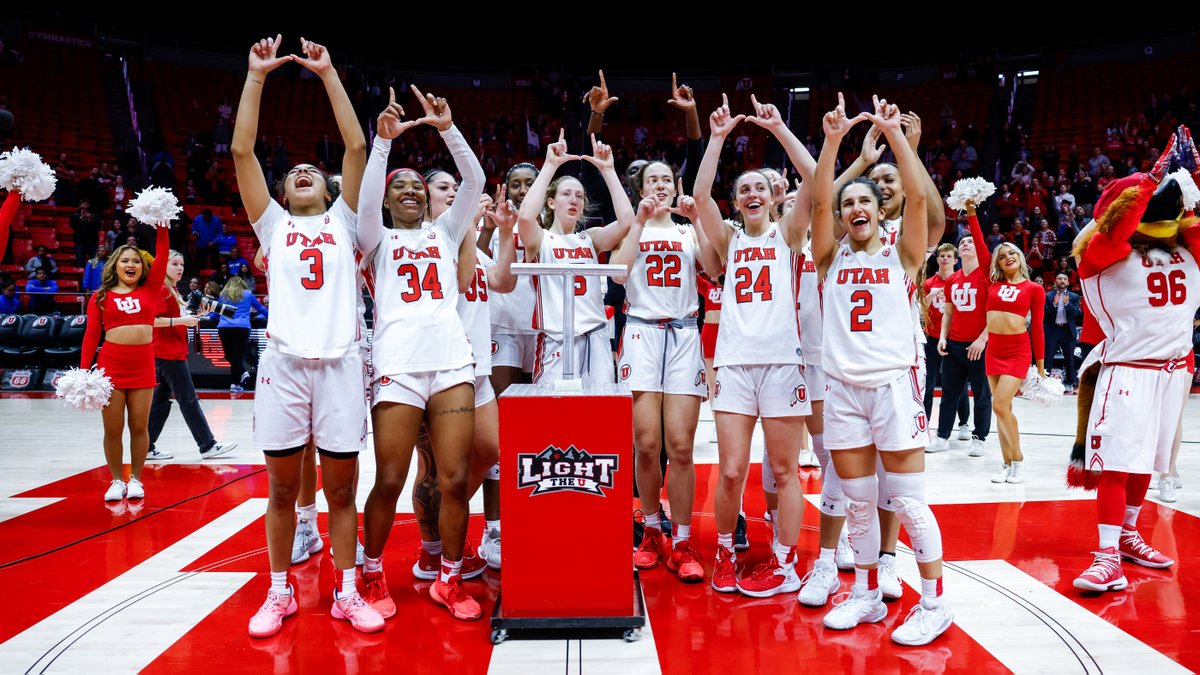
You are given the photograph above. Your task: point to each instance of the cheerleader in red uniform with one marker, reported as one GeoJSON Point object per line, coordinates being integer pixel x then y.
{"type": "Point", "coordinates": [122, 310]}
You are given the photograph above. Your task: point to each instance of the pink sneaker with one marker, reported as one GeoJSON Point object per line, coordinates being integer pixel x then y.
{"type": "Point", "coordinates": [269, 618]}
{"type": "Point", "coordinates": [1135, 549]}
{"type": "Point", "coordinates": [451, 594]}
{"type": "Point", "coordinates": [1104, 574]}
{"type": "Point", "coordinates": [362, 617]}
{"type": "Point", "coordinates": [375, 593]}
{"type": "Point", "coordinates": [653, 547]}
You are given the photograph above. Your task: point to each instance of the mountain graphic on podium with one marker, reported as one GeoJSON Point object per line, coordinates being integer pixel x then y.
{"type": "Point", "coordinates": [555, 469]}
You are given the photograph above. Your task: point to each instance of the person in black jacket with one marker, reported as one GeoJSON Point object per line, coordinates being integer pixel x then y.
{"type": "Point", "coordinates": [1061, 317]}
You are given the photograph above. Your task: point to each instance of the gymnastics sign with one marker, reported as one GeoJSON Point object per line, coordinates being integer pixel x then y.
{"type": "Point", "coordinates": [573, 470]}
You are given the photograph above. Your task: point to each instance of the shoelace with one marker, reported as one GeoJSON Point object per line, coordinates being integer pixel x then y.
{"type": "Point", "coordinates": [276, 602]}
{"type": "Point", "coordinates": [1104, 565]}
{"type": "Point", "coordinates": [1139, 545]}
{"type": "Point", "coordinates": [923, 616]}
{"type": "Point", "coordinates": [687, 553]}
{"type": "Point", "coordinates": [354, 602]}
{"type": "Point", "coordinates": [818, 573]}
{"type": "Point", "coordinates": [454, 591]}
{"type": "Point", "coordinates": [765, 569]}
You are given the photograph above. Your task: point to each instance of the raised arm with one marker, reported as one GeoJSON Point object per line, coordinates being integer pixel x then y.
{"type": "Point", "coordinates": [252, 185]}
{"type": "Point", "coordinates": [162, 246]}
{"type": "Point", "coordinates": [836, 125]}
{"type": "Point", "coordinates": [682, 98]}
{"type": "Point", "coordinates": [626, 253]}
{"type": "Point", "coordinates": [912, 242]}
{"type": "Point", "coordinates": [316, 58]}
{"type": "Point", "coordinates": [527, 218]}
{"type": "Point", "coordinates": [458, 219]}
{"type": "Point", "coordinates": [609, 237]}
{"type": "Point", "coordinates": [982, 253]}
{"type": "Point", "coordinates": [872, 151]}
{"type": "Point", "coordinates": [707, 256]}
{"type": "Point", "coordinates": [504, 215]}
{"type": "Point", "coordinates": [598, 99]}
{"type": "Point", "coordinates": [934, 207]}
{"type": "Point", "coordinates": [720, 123]}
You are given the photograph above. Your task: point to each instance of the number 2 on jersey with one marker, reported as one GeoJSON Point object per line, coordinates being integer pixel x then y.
{"type": "Point", "coordinates": [863, 303]}
{"type": "Point", "coordinates": [429, 283]}
{"type": "Point", "coordinates": [316, 268]}
{"type": "Point", "coordinates": [663, 271]}
{"type": "Point", "coordinates": [743, 277]}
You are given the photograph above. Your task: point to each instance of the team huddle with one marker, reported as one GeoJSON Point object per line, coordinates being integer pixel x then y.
{"type": "Point", "coordinates": [822, 325]}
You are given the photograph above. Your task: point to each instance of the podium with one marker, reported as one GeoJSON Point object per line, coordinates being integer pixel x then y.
{"type": "Point", "coordinates": [566, 483]}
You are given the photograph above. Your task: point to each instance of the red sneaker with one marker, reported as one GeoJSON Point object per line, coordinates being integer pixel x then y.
{"type": "Point", "coordinates": [1135, 549]}
{"type": "Point", "coordinates": [653, 547]}
{"type": "Point", "coordinates": [685, 562]}
{"type": "Point", "coordinates": [451, 594]}
{"type": "Point", "coordinates": [375, 593]}
{"type": "Point", "coordinates": [269, 618]}
{"type": "Point", "coordinates": [771, 578]}
{"type": "Point", "coordinates": [1104, 574]}
{"type": "Point", "coordinates": [724, 578]}
{"type": "Point", "coordinates": [362, 616]}
{"type": "Point", "coordinates": [428, 565]}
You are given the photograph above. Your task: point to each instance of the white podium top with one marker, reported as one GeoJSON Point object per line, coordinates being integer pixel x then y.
{"type": "Point", "coordinates": [543, 389]}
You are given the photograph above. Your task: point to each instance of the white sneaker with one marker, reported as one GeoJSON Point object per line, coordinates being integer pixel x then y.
{"type": "Point", "coordinates": [1178, 482]}
{"type": "Point", "coordinates": [808, 458]}
{"type": "Point", "coordinates": [135, 489]}
{"type": "Point", "coordinates": [115, 492]}
{"type": "Point", "coordinates": [489, 549]}
{"type": "Point", "coordinates": [1002, 475]}
{"type": "Point", "coordinates": [964, 432]}
{"type": "Point", "coordinates": [859, 606]}
{"type": "Point", "coordinates": [217, 450]}
{"type": "Point", "coordinates": [305, 543]}
{"type": "Point", "coordinates": [358, 554]}
{"type": "Point", "coordinates": [1014, 474]}
{"type": "Point", "coordinates": [844, 556]}
{"type": "Point", "coordinates": [1166, 489]}
{"type": "Point", "coordinates": [976, 448]}
{"type": "Point", "coordinates": [158, 455]}
{"type": "Point", "coordinates": [235, 389]}
{"type": "Point", "coordinates": [889, 582]}
{"type": "Point", "coordinates": [923, 624]}
{"type": "Point", "coordinates": [939, 444]}
{"type": "Point", "coordinates": [819, 584]}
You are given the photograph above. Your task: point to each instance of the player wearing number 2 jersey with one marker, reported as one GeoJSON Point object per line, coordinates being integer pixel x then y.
{"type": "Point", "coordinates": [310, 377]}
{"type": "Point", "coordinates": [421, 358]}
{"type": "Point", "coordinates": [874, 412]}
{"type": "Point", "coordinates": [758, 356]}
{"type": "Point", "coordinates": [660, 361]}
{"type": "Point", "coordinates": [558, 205]}
{"type": "Point", "coordinates": [1140, 277]}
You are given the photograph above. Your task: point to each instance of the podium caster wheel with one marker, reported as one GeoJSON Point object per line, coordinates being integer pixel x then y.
{"type": "Point", "coordinates": [632, 634]}
{"type": "Point", "coordinates": [500, 635]}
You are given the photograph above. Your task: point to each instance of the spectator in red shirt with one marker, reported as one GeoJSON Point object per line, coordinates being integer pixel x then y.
{"type": "Point", "coordinates": [1019, 236]}
{"type": "Point", "coordinates": [1037, 197]}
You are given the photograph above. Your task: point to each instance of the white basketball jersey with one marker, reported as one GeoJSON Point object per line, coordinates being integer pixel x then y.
{"type": "Point", "coordinates": [1145, 306]}
{"type": "Point", "coordinates": [808, 309]}
{"type": "Point", "coordinates": [313, 280]}
{"type": "Point", "coordinates": [573, 249]}
{"type": "Point", "coordinates": [662, 282]}
{"type": "Point", "coordinates": [417, 328]}
{"type": "Point", "coordinates": [889, 231]}
{"type": "Point", "coordinates": [758, 311]}
{"type": "Point", "coordinates": [868, 325]}
{"type": "Point", "coordinates": [473, 310]}
{"type": "Point", "coordinates": [513, 312]}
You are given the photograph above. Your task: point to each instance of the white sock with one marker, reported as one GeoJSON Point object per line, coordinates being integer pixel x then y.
{"type": "Point", "coordinates": [279, 582]}
{"type": "Point", "coordinates": [725, 540]}
{"type": "Point", "coordinates": [449, 569]}
{"type": "Point", "coordinates": [1110, 536]}
{"type": "Point", "coordinates": [827, 555]}
{"type": "Point", "coordinates": [682, 532]}
{"type": "Point", "coordinates": [655, 521]}
{"type": "Point", "coordinates": [491, 525]}
{"type": "Point", "coordinates": [349, 583]}
{"type": "Point", "coordinates": [432, 547]}
{"type": "Point", "coordinates": [931, 592]}
{"type": "Point", "coordinates": [372, 564]}
{"type": "Point", "coordinates": [308, 514]}
{"type": "Point", "coordinates": [781, 554]}
{"type": "Point", "coordinates": [1131, 516]}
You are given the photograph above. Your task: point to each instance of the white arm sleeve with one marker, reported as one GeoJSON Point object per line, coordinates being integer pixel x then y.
{"type": "Point", "coordinates": [370, 197]}
{"type": "Point", "coordinates": [455, 221]}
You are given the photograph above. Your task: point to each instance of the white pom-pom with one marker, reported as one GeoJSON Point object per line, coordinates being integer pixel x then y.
{"type": "Point", "coordinates": [1044, 391]}
{"type": "Point", "coordinates": [86, 390]}
{"type": "Point", "coordinates": [974, 190]}
{"type": "Point", "coordinates": [25, 172]}
{"type": "Point", "coordinates": [154, 206]}
{"type": "Point", "coordinates": [1191, 193]}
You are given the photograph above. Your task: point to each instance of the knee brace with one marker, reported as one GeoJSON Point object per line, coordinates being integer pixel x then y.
{"type": "Point", "coordinates": [861, 496]}
{"type": "Point", "coordinates": [833, 502]}
{"type": "Point", "coordinates": [768, 476]}
{"type": "Point", "coordinates": [494, 472]}
{"type": "Point", "coordinates": [906, 491]}
{"type": "Point", "coordinates": [884, 502]}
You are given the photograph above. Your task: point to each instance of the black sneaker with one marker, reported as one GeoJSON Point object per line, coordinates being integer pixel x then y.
{"type": "Point", "coordinates": [740, 541]}
{"type": "Point", "coordinates": [639, 528]}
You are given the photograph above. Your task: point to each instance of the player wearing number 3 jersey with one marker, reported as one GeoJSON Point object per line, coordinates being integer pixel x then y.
{"type": "Point", "coordinates": [874, 412]}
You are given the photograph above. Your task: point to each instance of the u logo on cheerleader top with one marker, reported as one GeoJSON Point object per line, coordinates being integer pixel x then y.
{"type": "Point", "coordinates": [128, 305]}
{"type": "Point", "coordinates": [1009, 293]}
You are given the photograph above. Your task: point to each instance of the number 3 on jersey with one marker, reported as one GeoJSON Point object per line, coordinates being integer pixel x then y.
{"type": "Point", "coordinates": [316, 268]}
{"type": "Point", "coordinates": [863, 303]}
{"type": "Point", "coordinates": [743, 278]}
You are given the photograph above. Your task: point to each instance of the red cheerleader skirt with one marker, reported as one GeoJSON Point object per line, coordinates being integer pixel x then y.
{"type": "Point", "coordinates": [128, 366]}
{"type": "Point", "coordinates": [708, 339]}
{"type": "Point", "coordinates": [1008, 355]}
